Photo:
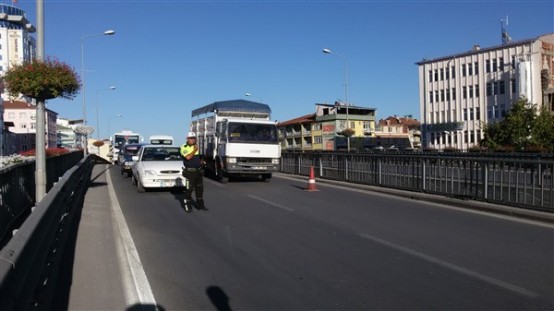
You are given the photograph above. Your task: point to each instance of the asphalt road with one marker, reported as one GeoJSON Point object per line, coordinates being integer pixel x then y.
{"type": "Point", "coordinates": [275, 246]}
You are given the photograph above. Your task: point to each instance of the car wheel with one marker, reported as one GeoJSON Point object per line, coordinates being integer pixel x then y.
{"type": "Point", "coordinates": [140, 188]}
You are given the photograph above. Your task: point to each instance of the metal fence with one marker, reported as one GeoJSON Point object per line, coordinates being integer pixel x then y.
{"type": "Point", "coordinates": [17, 189]}
{"type": "Point", "coordinates": [517, 180]}
{"type": "Point", "coordinates": [32, 259]}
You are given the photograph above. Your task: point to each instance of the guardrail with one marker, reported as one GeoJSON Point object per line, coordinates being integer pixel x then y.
{"type": "Point", "coordinates": [17, 189]}
{"type": "Point", "coordinates": [30, 262]}
{"type": "Point", "coordinates": [524, 181]}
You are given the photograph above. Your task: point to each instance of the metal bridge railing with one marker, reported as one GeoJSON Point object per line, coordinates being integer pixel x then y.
{"type": "Point", "coordinates": [522, 181]}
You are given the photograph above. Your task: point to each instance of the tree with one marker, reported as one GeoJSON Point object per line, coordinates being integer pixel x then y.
{"type": "Point", "coordinates": [42, 80]}
{"type": "Point", "coordinates": [522, 128]}
{"type": "Point", "coordinates": [542, 131]}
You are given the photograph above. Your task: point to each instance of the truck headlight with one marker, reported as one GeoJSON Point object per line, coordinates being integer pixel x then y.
{"type": "Point", "coordinates": [231, 160]}
{"type": "Point", "coordinates": [274, 161]}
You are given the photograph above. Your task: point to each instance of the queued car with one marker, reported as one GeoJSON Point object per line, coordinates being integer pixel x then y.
{"type": "Point", "coordinates": [157, 166]}
{"type": "Point", "coordinates": [126, 162]}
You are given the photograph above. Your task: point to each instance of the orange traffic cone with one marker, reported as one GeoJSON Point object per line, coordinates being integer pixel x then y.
{"type": "Point", "coordinates": [311, 182]}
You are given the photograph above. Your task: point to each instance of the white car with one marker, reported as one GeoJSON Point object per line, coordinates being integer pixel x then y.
{"type": "Point", "coordinates": [158, 166]}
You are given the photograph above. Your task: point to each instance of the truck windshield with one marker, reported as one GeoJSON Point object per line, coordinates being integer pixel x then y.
{"type": "Point", "coordinates": [252, 133]}
{"type": "Point", "coordinates": [122, 140]}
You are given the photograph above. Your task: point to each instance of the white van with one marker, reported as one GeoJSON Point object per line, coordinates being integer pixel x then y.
{"type": "Point", "coordinates": [161, 140]}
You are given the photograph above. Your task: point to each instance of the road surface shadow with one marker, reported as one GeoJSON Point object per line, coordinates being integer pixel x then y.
{"type": "Point", "coordinates": [145, 307]}
{"type": "Point", "coordinates": [219, 298]}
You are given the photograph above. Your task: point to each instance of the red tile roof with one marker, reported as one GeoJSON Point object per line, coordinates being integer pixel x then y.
{"type": "Point", "coordinates": [309, 118]}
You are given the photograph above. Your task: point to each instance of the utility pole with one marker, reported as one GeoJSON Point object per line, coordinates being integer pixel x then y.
{"type": "Point", "coordinates": [40, 145]}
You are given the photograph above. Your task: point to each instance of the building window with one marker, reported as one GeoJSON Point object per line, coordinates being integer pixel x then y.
{"type": "Point", "coordinates": [352, 124]}
{"type": "Point", "coordinates": [470, 91]}
{"type": "Point", "coordinates": [501, 87]}
{"type": "Point", "coordinates": [33, 126]}
{"type": "Point", "coordinates": [22, 115]}
{"type": "Point", "coordinates": [431, 97]}
{"type": "Point", "coordinates": [501, 63]}
{"type": "Point", "coordinates": [342, 125]}
{"type": "Point", "coordinates": [494, 65]}
{"type": "Point", "coordinates": [437, 96]}
{"type": "Point", "coordinates": [453, 72]}
{"type": "Point", "coordinates": [453, 93]}
{"type": "Point", "coordinates": [513, 85]}
{"type": "Point", "coordinates": [478, 113]}
{"type": "Point", "coordinates": [318, 140]}
{"type": "Point", "coordinates": [366, 125]}
{"type": "Point", "coordinates": [469, 69]}
{"type": "Point", "coordinates": [477, 90]}
{"type": "Point", "coordinates": [430, 75]}
{"type": "Point", "coordinates": [466, 136]}
{"type": "Point", "coordinates": [513, 62]}
{"type": "Point", "coordinates": [471, 116]}
{"type": "Point", "coordinates": [11, 115]}
{"type": "Point", "coordinates": [442, 74]}
{"type": "Point", "coordinates": [465, 114]}
{"type": "Point", "coordinates": [436, 75]}
{"type": "Point", "coordinates": [464, 71]}
{"type": "Point", "coordinates": [442, 95]}
{"type": "Point", "coordinates": [488, 66]}
{"type": "Point", "coordinates": [23, 126]}
{"type": "Point", "coordinates": [476, 68]}
{"type": "Point", "coordinates": [464, 92]}
{"type": "Point", "coordinates": [447, 74]}
{"type": "Point", "coordinates": [448, 95]}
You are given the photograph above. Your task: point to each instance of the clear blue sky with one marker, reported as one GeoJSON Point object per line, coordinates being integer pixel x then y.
{"type": "Point", "coordinates": [168, 57]}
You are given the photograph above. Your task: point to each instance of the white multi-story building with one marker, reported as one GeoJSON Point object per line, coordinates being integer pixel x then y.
{"type": "Point", "coordinates": [16, 46]}
{"type": "Point", "coordinates": [66, 135]}
{"type": "Point", "coordinates": [460, 93]}
{"type": "Point", "coordinates": [24, 117]}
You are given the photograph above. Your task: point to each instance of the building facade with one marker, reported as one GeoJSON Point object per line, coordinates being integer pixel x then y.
{"type": "Point", "coordinates": [66, 135]}
{"type": "Point", "coordinates": [16, 46]}
{"type": "Point", "coordinates": [23, 117]}
{"type": "Point", "coordinates": [459, 94]}
{"type": "Point", "coordinates": [323, 129]}
{"type": "Point", "coordinates": [400, 127]}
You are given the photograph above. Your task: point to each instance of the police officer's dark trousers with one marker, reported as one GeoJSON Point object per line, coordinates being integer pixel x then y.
{"type": "Point", "coordinates": [195, 183]}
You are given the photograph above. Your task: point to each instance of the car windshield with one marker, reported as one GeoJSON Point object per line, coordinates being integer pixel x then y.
{"type": "Point", "coordinates": [131, 150]}
{"type": "Point", "coordinates": [161, 154]}
{"type": "Point", "coordinates": [252, 133]}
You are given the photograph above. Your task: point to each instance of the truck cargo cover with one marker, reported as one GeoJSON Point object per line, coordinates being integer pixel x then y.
{"type": "Point", "coordinates": [238, 105]}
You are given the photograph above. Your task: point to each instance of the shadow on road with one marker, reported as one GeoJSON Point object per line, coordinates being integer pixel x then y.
{"type": "Point", "coordinates": [219, 298]}
{"type": "Point", "coordinates": [145, 307]}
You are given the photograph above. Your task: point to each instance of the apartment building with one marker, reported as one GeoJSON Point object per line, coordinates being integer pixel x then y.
{"type": "Point", "coordinates": [460, 93]}
{"type": "Point", "coordinates": [23, 117]}
{"type": "Point", "coordinates": [16, 46]}
{"type": "Point", "coordinates": [322, 130]}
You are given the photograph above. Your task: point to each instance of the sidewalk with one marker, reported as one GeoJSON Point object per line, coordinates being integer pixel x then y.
{"type": "Point", "coordinates": [93, 279]}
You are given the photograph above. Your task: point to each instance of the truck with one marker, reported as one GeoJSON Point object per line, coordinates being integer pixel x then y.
{"type": "Point", "coordinates": [121, 139]}
{"type": "Point", "coordinates": [161, 140]}
{"type": "Point", "coordinates": [237, 138]}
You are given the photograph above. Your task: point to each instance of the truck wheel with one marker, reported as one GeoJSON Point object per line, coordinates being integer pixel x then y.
{"type": "Point", "coordinates": [266, 177]}
{"type": "Point", "coordinates": [220, 175]}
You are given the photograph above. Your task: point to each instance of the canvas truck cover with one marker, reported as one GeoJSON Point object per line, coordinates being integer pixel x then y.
{"type": "Point", "coordinates": [239, 105]}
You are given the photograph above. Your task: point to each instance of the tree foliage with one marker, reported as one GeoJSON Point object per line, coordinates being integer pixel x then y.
{"type": "Point", "coordinates": [42, 80]}
{"type": "Point", "coordinates": [522, 129]}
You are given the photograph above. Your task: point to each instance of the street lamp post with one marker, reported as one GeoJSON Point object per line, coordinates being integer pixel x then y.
{"type": "Point", "coordinates": [328, 51]}
{"type": "Point", "coordinates": [250, 95]}
{"type": "Point", "coordinates": [111, 88]}
{"type": "Point", "coordinates": [40, 159]}
{"type": "Point", "coordinates": [109, 119]}
{"type": "Point", "coordinates": [105, 33]}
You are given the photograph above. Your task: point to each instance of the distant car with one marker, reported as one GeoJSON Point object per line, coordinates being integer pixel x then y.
{"type": "Point", "coordinates": [157, 166]}
{"type": "Point", "coordinates": [127, 162]}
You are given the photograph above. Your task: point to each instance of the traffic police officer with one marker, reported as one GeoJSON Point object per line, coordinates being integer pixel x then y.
{"type": "Point", "coordinates": [193, 172]}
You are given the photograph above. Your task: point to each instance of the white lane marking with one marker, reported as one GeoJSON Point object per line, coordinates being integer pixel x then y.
{"type": "Point", "coordinates": [135, 283]}
{"type": "Point", "coordinates": [431, 203]}
{"type": "Point", "coordinates": [456, 268]}
{"type": "Point", "coordinates": [271, 203]}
